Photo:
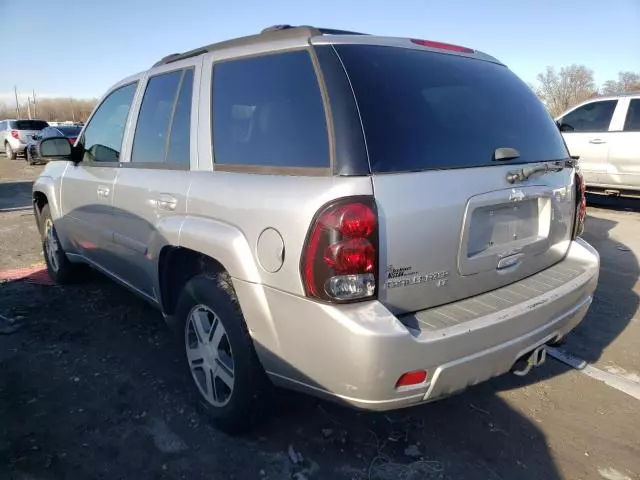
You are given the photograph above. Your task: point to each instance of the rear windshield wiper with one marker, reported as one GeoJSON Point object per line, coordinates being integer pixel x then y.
{"type": "Point", "coordinates": [524, 173]}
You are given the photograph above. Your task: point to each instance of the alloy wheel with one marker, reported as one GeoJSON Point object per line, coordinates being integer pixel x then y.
{"type": "Point", "coordinates": [51, 245]}
{"type": "Point", "coordinates": [209, 355]}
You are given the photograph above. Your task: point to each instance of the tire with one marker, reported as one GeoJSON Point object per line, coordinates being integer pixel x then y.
{"type": "Point", "coordinates": [8, 151]}
{"type": "Point", "coordinates": [227, 375]}
{"type": "Point", "coordinates": [60, 269]}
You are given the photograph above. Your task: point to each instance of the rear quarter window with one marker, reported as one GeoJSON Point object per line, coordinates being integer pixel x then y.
{"type": "Point", "coordinates": [423, 110]}
{"type": "Point", "coordinates": [268, 112]}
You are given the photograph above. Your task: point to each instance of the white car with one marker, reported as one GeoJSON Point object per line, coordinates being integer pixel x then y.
{"type": "Point", "coordinates": [15, 134]}
{"type": "Point", "coordinates": [605, 133]}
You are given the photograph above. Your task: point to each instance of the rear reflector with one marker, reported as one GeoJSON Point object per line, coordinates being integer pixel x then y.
{"type": "Point", "coordinates": [411, 378]}
{"type": "Point", "coordinates": [442, 46]}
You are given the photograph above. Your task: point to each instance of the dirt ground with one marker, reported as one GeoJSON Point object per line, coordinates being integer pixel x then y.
{"type": "Point", "coordinates": [92, 386]}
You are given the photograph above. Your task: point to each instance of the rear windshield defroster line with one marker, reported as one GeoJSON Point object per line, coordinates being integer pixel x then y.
{"type": "Point", "coordinates": [422, 110]}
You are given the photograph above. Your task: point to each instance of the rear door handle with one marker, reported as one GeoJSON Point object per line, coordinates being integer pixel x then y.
{"type": "Point", "coordinates": [103, 191]}
{"type": "Point", "coordinates": [167, 202]}
{"type": "Point", "coordinates": [597, 141]}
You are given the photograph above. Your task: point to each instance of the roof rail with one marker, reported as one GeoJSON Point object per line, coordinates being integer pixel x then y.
{"type": "Point", "coordinates": [276, 31]}
{"type": "Point", "coordinates": [320, 30]}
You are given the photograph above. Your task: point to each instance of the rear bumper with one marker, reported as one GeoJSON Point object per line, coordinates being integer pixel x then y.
{"type": "Point", "coordinates": [356, 353]}
{"type": "Point", "coordinates": [16, 144]}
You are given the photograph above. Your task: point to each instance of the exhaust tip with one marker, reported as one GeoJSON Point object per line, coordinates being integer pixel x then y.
{"type": "Point", "coordinates": [526, 362]}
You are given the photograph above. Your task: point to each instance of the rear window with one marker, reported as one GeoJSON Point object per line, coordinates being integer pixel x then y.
{"type": "Point", "coordinates": [28, 125]}
{"type": "Point", "coordinates": [70, 131]}
{"type": "Point", "coordinates": [423, 110]}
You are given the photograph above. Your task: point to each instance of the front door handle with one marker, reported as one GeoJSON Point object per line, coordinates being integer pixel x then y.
{"type": "Point", "coordinates": [597, 141]}
{"type": "Point", "coordinates": [167, 202]}
{"type": "Point", "coordinates": [103, 191]}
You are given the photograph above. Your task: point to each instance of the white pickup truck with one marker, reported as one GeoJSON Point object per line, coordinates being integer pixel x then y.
{"type": "Point", "coordinates": [605, 133]}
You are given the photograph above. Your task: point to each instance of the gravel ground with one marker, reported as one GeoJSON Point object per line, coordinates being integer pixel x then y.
{"type": "Point", "coordinates": [92, 386]}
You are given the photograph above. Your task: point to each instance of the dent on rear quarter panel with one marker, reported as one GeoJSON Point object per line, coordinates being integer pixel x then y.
{"type": "Point", "coordinates": [251, 203]}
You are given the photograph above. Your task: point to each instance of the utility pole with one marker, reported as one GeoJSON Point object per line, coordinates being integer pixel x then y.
{"type": "Point", "coordinates": [73, 114]}
{"type": "Point", "coordinates": [15, 90]}
{"type": "Point", "coordinates": [35, 113]}
{"type": "Point", "coordinates": [29, 107]}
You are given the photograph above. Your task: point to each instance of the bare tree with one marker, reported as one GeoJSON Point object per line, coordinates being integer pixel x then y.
{"type": "Point", "coordinates": [54, 109]}
{"type": "Point", "coordinates": [563, 89]}
{"type": "Point", "coordinates": [627, 82]}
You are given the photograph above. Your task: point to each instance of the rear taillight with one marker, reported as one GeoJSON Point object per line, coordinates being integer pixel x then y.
{"type": "Point", "coordinates": [15, 134]}
{"type": "Point", "coordinates": [581, 206]}
{"type": "Point", "coordinates": [442, 46]}
{"type": "Point", "coordinates": [340, 256]}
{"type": "Point", "coordinates": [72, 141]}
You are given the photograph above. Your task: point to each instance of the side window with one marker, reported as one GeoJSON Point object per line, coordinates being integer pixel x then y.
{"type": "Point", "coordinates": [44, 133]}
{"type": "Point", "coordinates": [152, 128]}
{"type": "Point", "coordinates": [3, 126]}
{"type": "Point", "coordinates": [268, 112]}
{"type": "Point", "coordinates": [179, 151]}
{"type": "Point", "coordinates": [102, 139]}
{"type": "Point", "coordinates": [632, 123]}
{"type": "Point", "coordinates": [592, 117]}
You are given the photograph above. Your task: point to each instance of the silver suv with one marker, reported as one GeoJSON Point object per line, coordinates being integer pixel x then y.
{"type": "Point", "coordinates": [376, 221]}
{"type": "Point", "coordinates": [16, 134]}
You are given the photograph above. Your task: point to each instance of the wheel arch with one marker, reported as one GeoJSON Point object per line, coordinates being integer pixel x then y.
{"type": "Point", "coordinates": [43, 193]}
{"type": "Point", "coordinates": [199, 245]}
{"type": "Point", "coordinates": [209, 246]}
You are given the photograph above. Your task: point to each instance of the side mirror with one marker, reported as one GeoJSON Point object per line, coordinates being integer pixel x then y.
{"type": "Point", "coordinates": [565, 127]}
{"type": "Point", "coordinates": [55, 148]}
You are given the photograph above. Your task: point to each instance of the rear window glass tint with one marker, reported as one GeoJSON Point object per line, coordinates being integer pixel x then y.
{"type": "Point", "coordinates": [268, 111]}
{"type": "Point", "coordinates": [28, 125]}
{"type": "Point", "coordinates": [423, 110]}
{"type": "Point", "coordinates": [632, 122]}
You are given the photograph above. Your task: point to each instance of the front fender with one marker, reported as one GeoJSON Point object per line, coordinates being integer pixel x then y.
{"type": "Point", "coordinates": [46, 185]}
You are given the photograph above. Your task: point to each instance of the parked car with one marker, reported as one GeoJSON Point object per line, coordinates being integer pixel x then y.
{"type": "Point", "coordinates": [69, 131]}
{"type": "Point", "coordinates": [376, 221]}
{"type": "Point", "coordinates": [14, 135]}
{"type": "Point", "coordinates": [605, 133]}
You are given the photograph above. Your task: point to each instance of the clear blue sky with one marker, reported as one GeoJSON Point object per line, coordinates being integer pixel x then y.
{"type": "Point", "coordinates": [80, 47]}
